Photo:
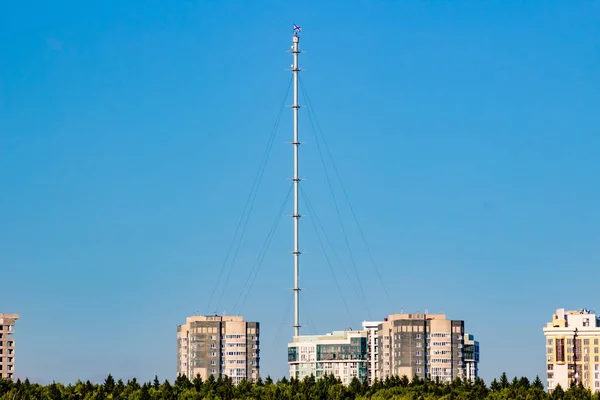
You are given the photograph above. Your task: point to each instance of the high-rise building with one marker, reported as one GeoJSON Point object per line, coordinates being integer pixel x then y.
{"type": "Point", "coordinates": [471, 354]}
{"type": "Point", "coordinates": [371, 328]}
{"type": "Point", "coordinates": [572, 349]}
{"type": "Point", "coordinates": [7, 345]}
{"type": "Point", "coordinates": [427, 345]}
{"type": "Point", "coordinates": [341, 353]}
{"type": "Point", "coordinates": [219, 345]}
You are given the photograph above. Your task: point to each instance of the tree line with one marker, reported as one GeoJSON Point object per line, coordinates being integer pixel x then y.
{"type": "Point", "coordinates": [326, 388]}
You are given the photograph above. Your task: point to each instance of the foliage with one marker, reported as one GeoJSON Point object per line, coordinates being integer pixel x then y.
{"type": "Point", "coordinates": [326, 388]}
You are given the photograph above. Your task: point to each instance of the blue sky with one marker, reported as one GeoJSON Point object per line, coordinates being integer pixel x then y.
{"type": "Point", "coordinates": [465, 133]}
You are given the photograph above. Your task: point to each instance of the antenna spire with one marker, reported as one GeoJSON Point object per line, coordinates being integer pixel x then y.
{"type": "Point", "coordinates": [296, 179]}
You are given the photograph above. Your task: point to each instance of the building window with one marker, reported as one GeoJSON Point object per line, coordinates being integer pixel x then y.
{"type": "Point", "coordinates": [560, 350]}
{"type": "Point", "coordinates": [549, 342]}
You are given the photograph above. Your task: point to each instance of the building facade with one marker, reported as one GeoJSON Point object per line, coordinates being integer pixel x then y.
{"type": "Point", "coordinates": [341, 353]}
{"type": "Point", "coordinates": [219, 346]}
{"type": "Point", "coordinates": [471, 354]}
{"type": "Point", "coordinates": [572, 349]}
{"type": "Point", "coordinates": [7, 345]}
{"type": "Point", "coordinates": [371, 328]}
{"type": "Point", "coordinates": [429, 346]}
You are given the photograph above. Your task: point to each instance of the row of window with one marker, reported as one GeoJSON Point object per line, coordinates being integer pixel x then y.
{"type": "Point", "coordinates": [570, 341]}
{"type": "Point", "coordinates": [586, 367]}
{"type": "Point", "coordinates": [586, 350]}
{"type": "Point", "coordinates": [570, 358]}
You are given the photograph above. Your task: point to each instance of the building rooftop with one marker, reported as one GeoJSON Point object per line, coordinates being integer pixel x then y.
{"type": "Point", "coordinates": [335, 335]}
{"type": "Point", "coordinates": [580, 319]}
{"type": "Point", "coordinates": [213, 318]}
{"type": "Point", "coordinates": [8, 318]}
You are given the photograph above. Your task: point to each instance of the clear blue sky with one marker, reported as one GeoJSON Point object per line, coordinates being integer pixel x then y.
{"type": "Point", "coordinates": [466, 134]}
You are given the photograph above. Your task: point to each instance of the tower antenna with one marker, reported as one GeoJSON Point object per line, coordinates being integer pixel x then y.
{"type": "Point", "coordinates": [296, 179]}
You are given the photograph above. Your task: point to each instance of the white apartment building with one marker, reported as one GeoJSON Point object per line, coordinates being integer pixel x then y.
{"type": "Point", "coordinates": [371, 327]}
{"type": "Point", "coordinates": [341, 353]}
{"type": "Point", "coordinates": [573, 349]}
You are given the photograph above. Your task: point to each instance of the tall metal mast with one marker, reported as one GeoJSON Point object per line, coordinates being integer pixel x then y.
{"type": "Point", "coordinates": [296, 179]}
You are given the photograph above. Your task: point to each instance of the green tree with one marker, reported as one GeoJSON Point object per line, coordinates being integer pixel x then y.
{"type": "Point", "coordinates": [558, 393]}
{"type": "Point", "coordinates": [109, 384]}
{"type": "Point", "coordinates": [197, 382]}
{"type": "Point", "coordinates": [504, 381]}
{"type": "Point", "coordinates": [537, 383]}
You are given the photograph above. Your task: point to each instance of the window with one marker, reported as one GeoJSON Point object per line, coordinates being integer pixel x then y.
{"type": "Point", "coordinates": [560, 350]}
{"type": "Point", "coordinates": [549, 342]}
{"type": "Point", "coordinates": [586, 341]}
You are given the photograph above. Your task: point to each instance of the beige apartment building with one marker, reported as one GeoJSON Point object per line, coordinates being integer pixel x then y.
{"type": "Point", "coordinates": [7, 345]}
{"type": "Point", "coordinates": [427, 345]}
{"type": "Point", "coordinates": [573, 349]}
{"type": "Point", "coordinates": [219, 346]}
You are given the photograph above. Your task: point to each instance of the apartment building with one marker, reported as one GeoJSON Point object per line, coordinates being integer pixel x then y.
{"type": "Point", "coordinates": [471, 355]}
{"type": "Point", "coordinates": [572, 349]}
{"type": "Point", "coordinates": [341, 353]}
{"type": "Point", "coordinates": [427, 345]}
{"type": "Point", "coordinates": [219, 346]}
{"type": "Point", "coordinates": [7, 345]}
{"type": "Point", "coordinates": [371, 328]}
